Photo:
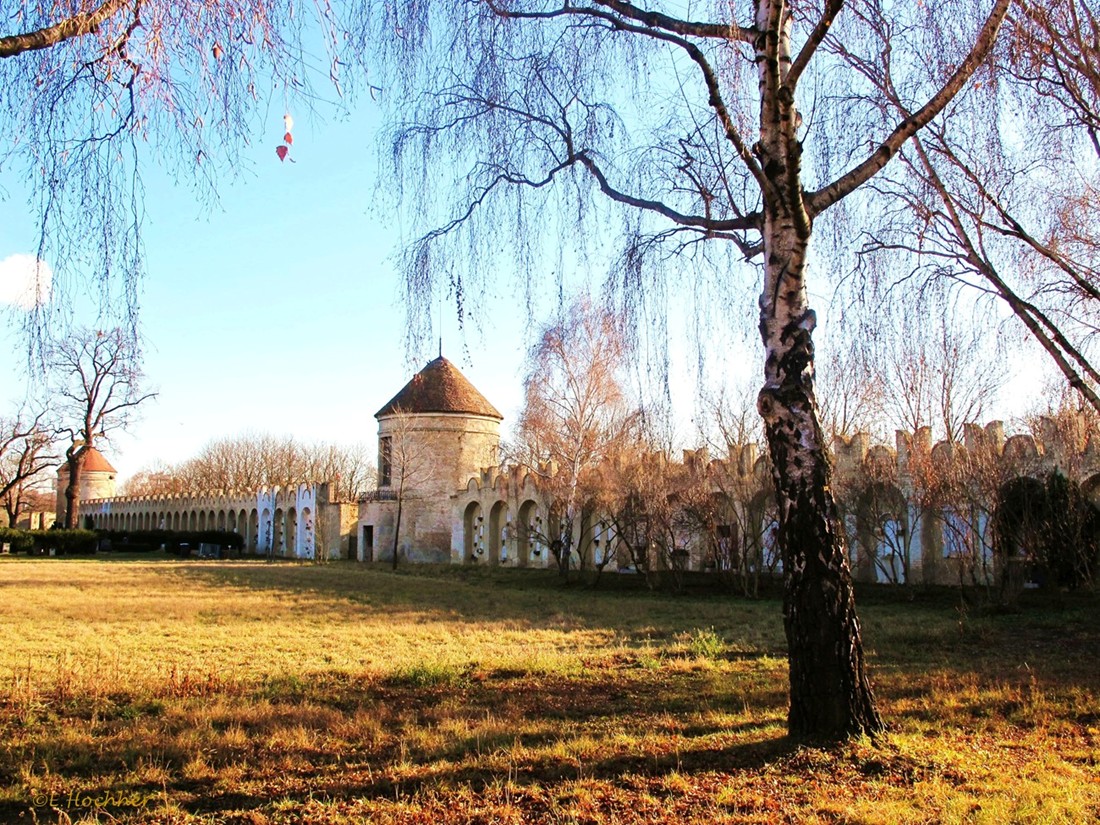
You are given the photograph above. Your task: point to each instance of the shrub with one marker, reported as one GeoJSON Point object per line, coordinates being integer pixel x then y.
{"type": "Point", "coordinates": [706, 644]}
{"type": "Point", "coordinates": [64, 542]}
{"type": "Point", "coordinates": [20, 541]}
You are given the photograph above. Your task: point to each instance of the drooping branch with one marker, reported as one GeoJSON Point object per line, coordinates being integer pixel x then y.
{"type": "Point", "coordinates": [650, 19]}
{"type": "Point", "coordinates": [960, 244]}
{"type": "Point", "coordinates": [656, 20]}
{"type": "Point", "coordinates": [711, 226]}
{"type": "Point", "coordinates": [1012, 228]}
{"type": "Point", "coordinates": [565, 156]}
{"type": "Point", "coordinates": [487, 190]}
{"type": "Point", "coordinates": [745, 222]}
{"type": "Point", "coordinates": [1054, 53]}
{"type": "Point", "coordinates": [710, 77]}
{"type": "Point", "coordinates": [1041, 327]}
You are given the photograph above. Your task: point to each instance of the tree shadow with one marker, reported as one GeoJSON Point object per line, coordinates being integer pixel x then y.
{"type": "Point", "coordinates": [359, 781]}
{"type": "Point", "coordinates": [525, 598]}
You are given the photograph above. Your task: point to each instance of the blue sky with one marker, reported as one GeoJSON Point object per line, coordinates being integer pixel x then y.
{"type": "Point", "coordinates": [278, 310]}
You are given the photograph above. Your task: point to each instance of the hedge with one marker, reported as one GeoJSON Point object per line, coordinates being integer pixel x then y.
{"type": "Point", "coordinates": [41, 542]}
{"type": "Point", "coordinates": [69, 542]}
{"type": "Point", "coordinates": [170, 540]}
{"type": "Point", "coordinates": [20, 541]}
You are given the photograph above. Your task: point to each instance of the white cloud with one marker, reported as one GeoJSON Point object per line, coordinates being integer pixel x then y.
{"type": "Point", "coordinates": [25, 281]}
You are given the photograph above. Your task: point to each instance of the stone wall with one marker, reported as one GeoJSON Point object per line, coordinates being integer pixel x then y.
{"type": "Point", "coordinates": [916, 513]}
{"type": "Point", "coordinates": [296, 521]}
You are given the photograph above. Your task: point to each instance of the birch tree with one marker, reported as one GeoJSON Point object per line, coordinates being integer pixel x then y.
{"type": "Point", "coordinates": [697, 128]}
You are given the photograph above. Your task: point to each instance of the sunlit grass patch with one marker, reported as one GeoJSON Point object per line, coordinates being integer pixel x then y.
{"type": "Point", "coordinates": [705, 643]}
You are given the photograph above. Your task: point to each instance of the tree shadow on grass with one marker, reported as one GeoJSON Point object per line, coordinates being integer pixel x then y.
{"type": "Point", "coordinates": [361, 781]}
{"type": "Point", "coordinates": [912, 640]}
{"type": "Point", "coordinates": [521, 598]}
{"type": "Point", "coordinates": [426, 740]}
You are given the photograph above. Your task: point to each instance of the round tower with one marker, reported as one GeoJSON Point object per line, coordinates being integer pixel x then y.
{"type": "Point", "coordinates": [439, 429]}
{"type": "Point", "coordinates": [435, 434]}
{"type": "Point", "coordinates": [97, 479]}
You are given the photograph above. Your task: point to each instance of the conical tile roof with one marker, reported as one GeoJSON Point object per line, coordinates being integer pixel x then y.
{"type": "Point", "coordinates": [90, 460]}
{"type": "Point", "coordinates": [440, 388]}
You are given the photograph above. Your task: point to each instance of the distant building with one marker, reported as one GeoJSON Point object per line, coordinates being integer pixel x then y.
{"type": "Point", "coordinates": [435, 434]}
{"type": "Point", "coordinates": [96, 478]}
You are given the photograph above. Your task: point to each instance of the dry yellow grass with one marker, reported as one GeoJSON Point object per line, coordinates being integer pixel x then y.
{"type": "Point", "coordinates": [191, 692]}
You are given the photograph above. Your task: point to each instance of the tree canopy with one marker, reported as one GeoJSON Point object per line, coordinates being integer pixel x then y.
{"type": "Point", "coordinates": [94, 91]}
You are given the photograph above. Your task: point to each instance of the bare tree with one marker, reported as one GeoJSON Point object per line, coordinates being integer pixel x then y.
{"type": "Point", "coordinates": [850, 390]}
{"type": "Point", "coordinates": [877, 515]}
{"type": "Point", "coordinates": [250, 461]}
{"type": "Point", "coordinates": [940, 373]}
{"type": "Point", "coordinates": [26, 451]}
{"type": "Point", "coordinates": [404, 464]}
{"type": "Point", "coordinates": [745, 507]}
{"type": "Point", "coordinates": [575, 413]}
{"type": "Point", "coordinates": [955, 485]}
{"type": "Point", "coordinates": [641, 493]}
{"type": "Point", "coordinates": [98, 390]}
{"type": "Point", "coordinates": [156, 479]}
{"type": "Point", "coordinates": [349, 468]}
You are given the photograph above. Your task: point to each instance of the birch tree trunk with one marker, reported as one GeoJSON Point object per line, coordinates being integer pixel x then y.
{"type": "Point", "coordinates": [830, 694]}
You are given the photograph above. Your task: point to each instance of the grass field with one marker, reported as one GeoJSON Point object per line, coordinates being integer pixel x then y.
{"type": "Point", "coordinates": [164, 691]}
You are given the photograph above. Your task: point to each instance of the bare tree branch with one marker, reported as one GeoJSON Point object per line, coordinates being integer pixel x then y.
{"type": "Point", "coordinates": [820, 200]}
{"type": "Point", "coordinates": [78, 25]}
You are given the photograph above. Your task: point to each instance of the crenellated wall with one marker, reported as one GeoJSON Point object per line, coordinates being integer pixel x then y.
{"type": "Point", "coordinates": [923, 512]}
{"type": "Point", "coordinates": [502, 518]}
{"type": "Point", "coordinates": [918, 513]}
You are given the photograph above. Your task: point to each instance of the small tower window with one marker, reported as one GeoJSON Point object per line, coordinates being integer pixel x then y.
{"type": "Point", "coordinates": [385, 461]}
